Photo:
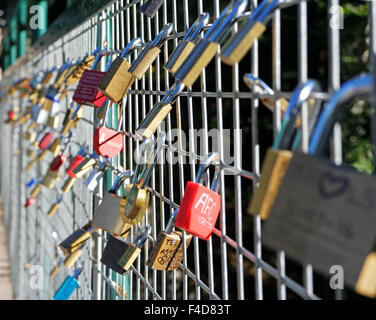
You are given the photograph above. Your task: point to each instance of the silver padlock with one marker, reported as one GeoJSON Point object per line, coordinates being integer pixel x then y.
{"type": "Point", "coordinates": [108, 216]}
{"type": "Point", "coordinates": [95, 176]}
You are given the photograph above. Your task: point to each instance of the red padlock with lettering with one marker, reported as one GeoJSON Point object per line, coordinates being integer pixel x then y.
{"type": "Point", "coordinates": [108, 142]}
{"type": "Point", "coordinates": [87, 92]}
{"type": "Point", "coordinates": [200, 206]}
{"type": "Point", "coordinates": [46, 141]}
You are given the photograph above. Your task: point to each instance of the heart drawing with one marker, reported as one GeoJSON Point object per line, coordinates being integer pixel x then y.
{"type": "Point", "coordinates": [331, 186]}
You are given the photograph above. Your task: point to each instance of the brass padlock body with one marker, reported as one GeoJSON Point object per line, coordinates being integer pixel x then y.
{"type": "Point", "coordinates": [35, 191]}
{"type": "Point", "coordinates": [53, 121]}
{"type": "Point", "coordinates": [53, 209]}
{"type": "Point", "coordinates": [76, 239]}
{"type": "Point", "coordinates": [179, 55]}
{"type": "Point", "coordinates": [68, 184]}
{"type": "Point", "coordinates": [138, 70]}
{"type": "Point", "coordinates": [55, 147]}
{"type": "Point", "coordinates": [113, 85]}
{"type": "Point", "coordinates": [273, 170]}
{"type": "Point", "coordinates": [71, 259]}
{"type": "Point", "coordinates": [129, 256]}
{"type": "Point", "coordinates": [50, 177]}
{"type": "Point", "coordinates": [366, 282]}
{"type": "Point", "coordinates": [139, 208]}
{"type": "Point", "coordinates": [167, 252]}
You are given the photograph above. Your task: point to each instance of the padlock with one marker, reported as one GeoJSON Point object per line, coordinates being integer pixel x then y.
{"type": "Point", "coordinates": [200, 206]}
{"type": "Point", "coordinates": [323, 209]}
{"type": "Point", "coordinates": [55, 147]}
{"type": "Point", "coordinates": [113, 251]}
{"type": "Point", "coordinates": [260, 87]}
{"type": "Point", "coordinates": [112, 84]}
{"type": "Point", "coordinates": [55, 206]}
{"type": "Point", "coordinates": [167, 252]}
{"type": "Point", "coordinates": [151, 7]}
{"type": "Point", "coordinates": [87, 92]}
{"type": "Point", "coordinates": [73, 257]}
{"type": "Point", "coordinates": [46, 141]}
{"type": "Point", "coordinates": [30, 153]}
{"type": "Point", "coordinates": [68, 286]}
{"type": "Point", "coordinates": [55, 269]}
{"type": "Point", "coordinates": [35, 109]}
{"type": "Point", "coordinates": [159, 112]}
{"type": "Point", "coordinates": [187, 44]}
{"type": "Point", "coordinates": [147, 57]}
{"type": "Point", "coordinates": [108, 142]}
{"type": "Point", "coordinates": [74, 241]}
{"type": "Point", "coordinates": [95, 176]}
{"type": "Point", "coordinates": [205, 50]}
{"type": "Point", "coordinates": [241, 42]}
{"type": "Point", "coordinates": [134, 249]}
{"type": "Point", "coordinates": [84, 166]}
{"type": "Point", "coordinates": [107, 217]}
{"type": "Point", "coordinates": [278, 157]}
{"type": "Point", "coordinates": [30, 201]}
{"type": "Point", "coordinates": [72, 177]}
{"type": "Point", "coordinates": [134, 205]}
{"type": "Point", "coordinates": [53, 173]}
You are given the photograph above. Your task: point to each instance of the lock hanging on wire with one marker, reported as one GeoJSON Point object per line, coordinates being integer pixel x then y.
{"type": "Point", "coordinates": [167, 252]}
{"type": "Point", "coordinates": [278, 157]}
{"type": "Point", "coordinates": [200, 206]}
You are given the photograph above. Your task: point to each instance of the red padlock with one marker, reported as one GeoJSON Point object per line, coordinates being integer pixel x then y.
{"type": "Point", "coordinates": [108, 142]}
{"type": "Point", "coordinates": [46, 141]}
{"type": "Point", "coordinates": [57, 162]}
{"type": "Point", "coordinates": [29, 202]}
{"type": "Point", "coordinates": [87, 92]}
{"type": "Point", "coordinates": [200, 206]}
{"type": "Point", "coordinates": [11, 115]}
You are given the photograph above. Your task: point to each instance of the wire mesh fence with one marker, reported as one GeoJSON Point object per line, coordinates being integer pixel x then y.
{"type": "Point", "coordinates": [216, 114]}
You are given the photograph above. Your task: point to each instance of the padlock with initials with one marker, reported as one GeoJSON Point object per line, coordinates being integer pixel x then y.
{"type": "Point", "coordinates": [107, 217]}
{"type": "Point", "coordinates": [135, 203]}
{"type": "Point", "coordinates": [323, 209]}
{"type": "Point", "coordinates": [241, 42]}
{"type": "Point", "coordinates": [74, 241]}
{"type": "Point", "coordinates": [278, 157]}
{"type": "Point", "coordinates": [167, 252]}
{"type": "Point", "coordinates": [134, 249]}
{"type": "Point", "coordinates": [200, 206]}
{"type": "Point", "coordinates": [112, 84]}
{"type": "Point", "coordinates": [187, 44]}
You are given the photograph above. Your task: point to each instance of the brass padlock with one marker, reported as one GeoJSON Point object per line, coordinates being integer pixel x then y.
{"type": "Point", "coordinates": [134, 249]}
{"type": "Point", "coordinates": [133, 206]}
{"type": "Point", "coordinates": [107, 217]}
{"type": "Point", "coordinates": [113, 251]}
{"type": "Point", "coordinates": [55, 269]}
{"type": "Point", "coordinates": [35, 191]}
{"type": "Point", "coordinates": [206, 48]}
{"type": "Point", "coordinates": [55, 206]}
{"type": "Point", "coordinates": [30, 153]}
{"type": "Point", "coordinates": [167, 252]}
{"type": "Point", "coordinates": [241, 42]}
{"type": "Point", "coordinates": [278, 157]}
{"type": "Point", "coordinates": [159, 112]}
{"type": "Point", "coordinates": [112, 84]}
{"type": "Point", "coordinates": [89, 162]}
{"type": "Point", "coordinates": [187, 44]}
{"type": "Point", "coordinates": [72, 258]}
{"type": "Point", "coordinates": [74, 241]}
{"type": "Point", "coordinates": [55, 147]}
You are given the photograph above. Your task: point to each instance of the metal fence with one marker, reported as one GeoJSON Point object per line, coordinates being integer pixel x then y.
{"type": "Point", "coordinates": [230, 265]}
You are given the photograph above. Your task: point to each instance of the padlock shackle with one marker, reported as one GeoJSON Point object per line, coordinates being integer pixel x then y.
{"type": "Point", "coordinates": [83, 151]}
{"type": "Point", "coordinates": [162, 36]}
{"type": "Point", "coordinates": [132, 45]}
{"type": "Point", "coordinates": [359, 87]}
{"type": "Point", "coordinates": [197, 26]}
{"type": "Point", "coordinates": [97, 58]}
{"type": "Point", "coordinates": [213, 158]}
{"type": "Point", "coordinates": [265, 15]}
{"type": "Point", "coordinates": [119, 181]}
{"type": "Point", "coordinates": [173, 92]}
{"type": "Point", "coordinates": [141, 238]}
{"type": "Point", "coordinates": [300, 95]}
{"type": "Point", "coordinates": [222, 25]}
{"type": "Point", "coordinates": [77, 272]}
{"type": "Point", "coordinates": [171, 221]}
{"type": "Point", "coordinates": [251, 81]}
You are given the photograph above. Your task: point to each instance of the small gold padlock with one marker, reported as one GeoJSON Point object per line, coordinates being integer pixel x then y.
{"type": "Point", "coordinates": [134, 249]}
{"type": "Point", "coordinates": [55, 147]}
{"type": "Point", "coordinates": [34, 193]}
{"type": "Point", "coordinates": [53, 121]}
{"type": "Point", "coordinates": [167, 252]}
{"type": "Point", "coordinates": [72, 258]}
{"type": "Point", "coordinates": [68, 184]}
{"type": "Point", "coordinates": [187, 44]}
{"type": "Point", "coordinates": [50, 177]}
